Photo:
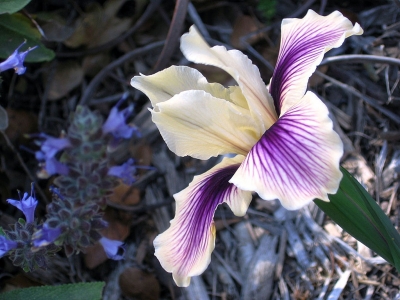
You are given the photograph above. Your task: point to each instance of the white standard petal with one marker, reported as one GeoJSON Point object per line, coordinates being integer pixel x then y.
{"type": "Point", "coordinates": [197, 124]}
{"type": "Point", "coordinates": [297, 159]}
{"type": "Point", "coordinates": [163, 85]}
{"type": "Point", "coordinates": [239, 66]}
{"type": "Point", "coordinates": [303, 44]}
{"type": "Point", "coordinates": [184, 249]}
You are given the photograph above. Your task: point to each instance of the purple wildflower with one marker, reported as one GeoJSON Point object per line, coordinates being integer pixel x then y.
{"type": "Point", "coordinates": [15, 61]}
{"type": "Point", "coordinates": [27, 205]}
{"type": "Point", "coordinates": [116, 121]}
{"type": "Point", "coordinates": [6, 245]}
{"type": "Point", "coordinates": [126, 171]}
{"type": "Point", "coordinates": [114, 249]}
{"type": "Point", "coordinates": [46, 236]}
{"type": "Point", "coordinates": [48, 149]}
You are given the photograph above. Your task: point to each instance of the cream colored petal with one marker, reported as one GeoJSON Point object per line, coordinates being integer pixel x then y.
{"type": "Point", "coordinates": [239, 67]}
{"type": "Point", "coordinates": [163, 85]}
{"type": "Point", "coordinates": [185, 248]}
{"type": "Point", "coordinates": [303, 44]}
{"type": "Point", "coordinates": [297, 159]}
{"type": "Point", "coordinates": [197, 124]}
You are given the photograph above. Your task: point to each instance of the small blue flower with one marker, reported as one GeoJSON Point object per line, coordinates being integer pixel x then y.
{"type": "Point", "coordinates": [48, 149]}
{"type": "Point", "coordinates": [45, 236]}
{"type": "Point", "coordinates": [126, 172]}
{"type": "Point", "coordinates": [6, 245]}
{"type": "Point", "coordinates": [114, 249]}
{"type": "Point", "coordinates": [116, 121]}
{"type": "Point", "coordinates": [27, 205]}
{"type": "Point", "coordinates": [15, 61]}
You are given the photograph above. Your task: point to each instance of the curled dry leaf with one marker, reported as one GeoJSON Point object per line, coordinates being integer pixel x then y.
{"type": "Point", "coordinates": [67, 76]}
{"type": "Point", "coordinates": [99, 25]}
{"type": "Point", "coordinates": [118, 229]}
{"type": "Point", "coordinates": [138, 284]}
{"type": "Point", "coordinates": [244, 25]}
{"type": "Point", "coordinates": [125, 195]}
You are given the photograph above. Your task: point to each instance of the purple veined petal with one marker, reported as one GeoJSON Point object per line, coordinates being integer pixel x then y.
{"type": "Point", "coordinates": [114, 249]}
{"type": "Point", "coordinates": [240, 67]}
{"type": "Point", "coordinates": [27, 205]}
{"type": "Point", "coordinates": [303, 44]}
{"type": "Point", "coordinates": [184, 249]}
{"type": "Point", "coordinates": [6, 245]}
{"type": "Point", "coordinates": [297, 159]}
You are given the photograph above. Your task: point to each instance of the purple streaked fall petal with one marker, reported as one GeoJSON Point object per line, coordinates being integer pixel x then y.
{"type": "Point", "coordinates": [303, 45]}
{"type": "Point", "coordinates": [297, 159]}
{"type": "Point", "coordinates": [185, 248]}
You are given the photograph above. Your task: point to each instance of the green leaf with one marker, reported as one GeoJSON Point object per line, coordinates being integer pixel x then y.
{"type": "Point", "coordinates": [76, 291]}
{"type": "Point", "coordinates": [14, 30]}
{"type": "Point", "coordinates": [357, 213]}
{"type": "Point", "coordinates": [3, 118]}
{"type": "Point", "coordinates": [12, 6]}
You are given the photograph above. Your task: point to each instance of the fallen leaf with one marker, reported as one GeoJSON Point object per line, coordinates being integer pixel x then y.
{"type": "Point", "coordinates": [125, 195]}
{"type": "Point", "coordinates": [67, 76]}
{"type": "Point", "coordinates": [99, 25]}
{"type": "Point", "coordinates": [138, 284]}
{"type": "Point", "coordinates": [118, 229]}
{"type": "Point", "coordinates": [20, 122]}
{"type": "Point", "coordinates": [245, 25]}
{"type": "Point", "coordinates": [93, 64]}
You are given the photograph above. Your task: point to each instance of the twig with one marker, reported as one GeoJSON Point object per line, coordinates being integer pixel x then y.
{"type": "Point", "coordinates": [174, 33]}
{"type": "Point", "coordinates": [49, 81]}
{"type": "Point", "coordinates": [297, 246]}
{"type": "Point", "coordinates": [23, 165]}
{"type": "Point", "coordinates": [197, 21]}
{"type": "Point", "coordinates": [366, 99]}
{"type": "Point", "coordinates": [227, 267]}
{"type": "Point", "coordinates": [360, 58]}
{"type": "Point", "coordinates": [128, 56]}
{"type": "Point", "coordinates": [340, 285]}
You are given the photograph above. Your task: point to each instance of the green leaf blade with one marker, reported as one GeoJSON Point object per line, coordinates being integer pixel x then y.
{"type": "Point", "coordinates": [358, 214]}
{"type": "Point", "coordinates": [14, 30]}
{"type": "Point", "coordinates": [76, 291]}
{"type": "Point", "coordinates": [12, 6]}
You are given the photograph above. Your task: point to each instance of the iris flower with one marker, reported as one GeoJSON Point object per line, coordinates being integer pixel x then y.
{"type": "Point", "coordinates": [281, 135]}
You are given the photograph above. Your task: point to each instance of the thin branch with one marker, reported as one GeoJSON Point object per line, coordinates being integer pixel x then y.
{"type": "Point", "coordinates": [104, 72]}
{"type": "Point", "coordinates": [151, 8]}
{"type": "Point", "coordinates": [361, 58]}
{"type": "Point", "coordinates": [174, 33]}
{"type": "Point", "coordinates": [23, 165]}
{"type": "Point", "coordinates": [366, 99]}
